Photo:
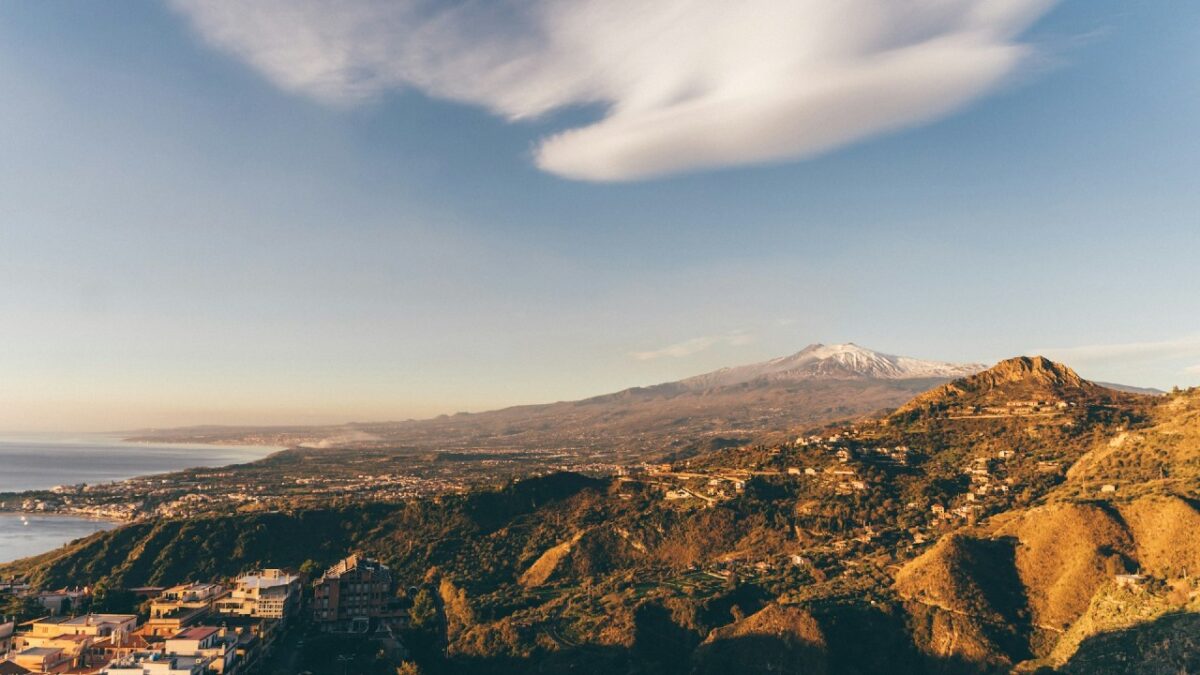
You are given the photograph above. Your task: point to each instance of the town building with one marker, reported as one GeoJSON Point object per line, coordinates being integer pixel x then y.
{"type": "Point", "coordinates": [156, 664]}
{"type": "Point", "coordinates": [351, 594]}
{"type": "Point", "coordinates": [182, 606]}
{"type": "Point", "coordinates": [115, 626]}
{"type": "Point", "coordinates": [263, 594]}
{"type": "Point", "coordinates": [7, 626]}
{"type": "Point", "coordinates": [42, 660]}
{"type": "Point", "coordinates": [63, 601]}
{"type": "Point", "coordinates": [212, 645]}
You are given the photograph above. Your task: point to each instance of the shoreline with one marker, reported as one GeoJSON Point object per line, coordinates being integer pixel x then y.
{"type": "Point", "coordinates": [71, 516]}
{"type": "Point", "coordinates": [222, 455]}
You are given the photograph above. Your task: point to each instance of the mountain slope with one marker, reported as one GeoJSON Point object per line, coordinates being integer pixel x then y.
{"type": "Point", "coordinates": [842, 361]}
{"type": "Point", "coordinates": [1032, 382]}
{"type": "Point", "coordinates": [951, 542]}
{"type": "Point", "coordinates": [819, 384]}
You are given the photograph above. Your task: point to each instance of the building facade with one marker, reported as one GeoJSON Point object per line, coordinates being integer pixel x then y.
{"type": "Point", "coordinates": [351, 594]}
{"type": "Point", "coordinates": [263, 594]}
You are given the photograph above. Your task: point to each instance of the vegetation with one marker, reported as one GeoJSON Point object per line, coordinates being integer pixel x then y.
{"type": "Point", "coordinates": [964, 533]}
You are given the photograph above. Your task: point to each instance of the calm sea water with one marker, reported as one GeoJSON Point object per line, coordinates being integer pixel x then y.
{"type": "Point", "coordinates": [23, 535]}
{"type": "Point", "coordinates": [42, 462]}
{"type": "Point", "coordinates": [39, 463]}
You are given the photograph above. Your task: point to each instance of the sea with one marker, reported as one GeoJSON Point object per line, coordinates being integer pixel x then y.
{"type": "Point", "coordinates": [39, 462]}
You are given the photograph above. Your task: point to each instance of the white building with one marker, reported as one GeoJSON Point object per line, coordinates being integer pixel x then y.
{"type": "Point", "coordinates": [206, 643]}
{"type": "Point", "coordinates": [157, 664]}
{"type": "Point", "coordinates": [264, 594]}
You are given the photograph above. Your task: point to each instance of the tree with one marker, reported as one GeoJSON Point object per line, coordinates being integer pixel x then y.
{"type": "Point", "coordinates": [23, 608]}
{"type": "Point", "coordinates": [423, 612]}
{"type": "Point", "coordinates": [309, 568]}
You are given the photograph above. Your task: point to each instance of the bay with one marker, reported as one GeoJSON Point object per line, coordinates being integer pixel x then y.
{"type": "Point", "coordinates": [41, 462]}
{"type": "Point", "coordinates": [26, 534]}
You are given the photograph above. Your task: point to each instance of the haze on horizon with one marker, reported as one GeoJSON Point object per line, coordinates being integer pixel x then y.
{"type": "Point", "coordinates": [212, 212]}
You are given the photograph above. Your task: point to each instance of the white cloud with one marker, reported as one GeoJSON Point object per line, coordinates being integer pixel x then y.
{"type": "Point", "coordinates": [1192, 370]}
{"type": "Point", "coordinates": [684, 84]}
{"type": "Point", "coordinates": [695, 346]}
{"type": "Point", "coordinates": [1126, 352]}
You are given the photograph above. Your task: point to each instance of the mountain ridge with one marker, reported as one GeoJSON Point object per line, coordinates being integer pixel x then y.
{"type": "Point", "coordinates": [835, 361]}
{"type": "Point", "coordinates": [817, 385]}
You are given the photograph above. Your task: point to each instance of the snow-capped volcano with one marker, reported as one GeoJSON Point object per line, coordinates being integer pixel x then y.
{"type": "Point", "coordinates": [833, 362]}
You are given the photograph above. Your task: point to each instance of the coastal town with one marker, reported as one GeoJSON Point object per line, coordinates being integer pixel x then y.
{"type": "Point", "coordinates": [254, 623]}
{"type": "Point", "coordinates": [269, 486]}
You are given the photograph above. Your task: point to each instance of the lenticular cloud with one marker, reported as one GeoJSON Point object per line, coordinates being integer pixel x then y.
{"type": "Point", "coordinates": [685, 84]}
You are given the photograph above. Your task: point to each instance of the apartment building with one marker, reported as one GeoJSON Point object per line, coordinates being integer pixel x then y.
{"type": "Point", "coordinates": [263, 594]}
{"type": "Point", "coordinates": [351, 594]}
{"type": "Point", "coordinates": [182, 606]}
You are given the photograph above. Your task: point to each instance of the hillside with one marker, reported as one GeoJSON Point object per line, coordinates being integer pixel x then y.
{"type": "Point", "coordinates": [1033, 385]}
{"type": "Point", "coordinates": [1126, 506]}
{"type": "Point", "coordinates": [971, 536]}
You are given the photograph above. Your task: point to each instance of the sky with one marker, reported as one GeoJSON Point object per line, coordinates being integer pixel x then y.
{"type": "Point", "coordinates": [282, 212]}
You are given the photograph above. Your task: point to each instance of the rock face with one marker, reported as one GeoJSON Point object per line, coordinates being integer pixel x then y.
{"type": "Point", "coordinates": [548, 565]}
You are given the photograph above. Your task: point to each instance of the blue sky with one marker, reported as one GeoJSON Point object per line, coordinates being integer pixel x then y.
{"type": "Point", "coordinates": [190, 233]}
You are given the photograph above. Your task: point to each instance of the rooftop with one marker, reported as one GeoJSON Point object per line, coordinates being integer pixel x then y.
{"type": "Point", "coordinates": [261, 581]}
{"type": "Point", "coordinates": [39, 651]}
{"type": "Point", "coordinates": [196, 633]}
{"type": "Point", "coordinates": [97, 619]}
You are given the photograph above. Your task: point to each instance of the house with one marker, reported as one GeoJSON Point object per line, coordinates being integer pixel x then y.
{"type": "Point", "coordinates": [156, 664]}
{"type": "Point", "coordinates": [7, 626]}
{"type": "Point", "coordinates": [62, 601]}
{"type": "Point", "coordinates": [42, 659]}
{"type": "Point", "coordinates": [1129, 580]}
{"type": "Point", "coordinates": [263, 594]}
{"type": "Point", "coordinates": [96, 626]}
{"type": "Point", "coordinates": [213, 645]}
{"type": "Point", "coordinates": [351, 594]}
{"type": "Point", "coordinates": [72, 647]}
{"type": "Point", "coordinates": [181, 606]}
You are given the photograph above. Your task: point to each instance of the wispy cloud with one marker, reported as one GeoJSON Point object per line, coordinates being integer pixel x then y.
{"type": "Point", "coordinates": [1180, 348]}
{"type": "Point", "coordinates": [684, 84]}
{"type": "Point", "coordinates": [1192, 370]}
{"type": "Point", "coordinates": [695, 346]}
